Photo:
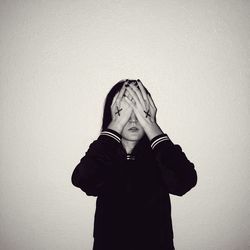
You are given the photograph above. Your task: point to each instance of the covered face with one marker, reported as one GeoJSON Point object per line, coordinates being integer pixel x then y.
{"type": "Point", "coordinates": [132, 131]}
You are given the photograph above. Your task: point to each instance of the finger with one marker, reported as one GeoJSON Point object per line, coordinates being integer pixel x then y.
{"type": "Point", "coordinates": [133, 94]}
{"type": "Point", "coordinates": [142, 89]}
{"type": "Point", "coordinates": [151, 101]}
{"type": "Point", "coordinates": [124, 104]}
{"type": "Point", "coordinates": [115, 98]}
{"type": "Point", "coordinates": [131, 104]}
{"type": "Point", "coordinates": [123, 81]}
{"type": "Point", "coordinates": [120, 95]}
{"type": "Point", "coordinates": [126, 93]}
{"type": "Point", "coordinates": [138, 93]}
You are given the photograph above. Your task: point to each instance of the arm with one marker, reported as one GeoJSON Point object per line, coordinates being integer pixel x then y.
{"type": "Point", "coordinates": [96, 168]}
{"type": "Point", "coordinates": [177, 171]}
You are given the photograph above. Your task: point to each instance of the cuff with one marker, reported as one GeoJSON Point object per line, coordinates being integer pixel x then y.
{"type": "Point", "coordinates": [113, 134]}
{"type": "Point", "coordinates": [158, 139]}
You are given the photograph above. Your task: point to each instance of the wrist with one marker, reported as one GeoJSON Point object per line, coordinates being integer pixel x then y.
{"type": "Point", "coordinates": [153, 130]}
{"type": "Point", "coordinates": [116, 126]}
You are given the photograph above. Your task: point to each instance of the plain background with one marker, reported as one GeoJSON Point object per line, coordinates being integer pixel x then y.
{"type": "Point", "coordinates": [58, 61]}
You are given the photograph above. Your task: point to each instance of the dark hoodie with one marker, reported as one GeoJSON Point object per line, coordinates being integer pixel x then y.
{"type": "Point", "coordinates": [133, 210]}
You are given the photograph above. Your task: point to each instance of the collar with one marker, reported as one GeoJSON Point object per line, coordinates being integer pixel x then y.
{"type": "Point", "coordinates": [141, 149]}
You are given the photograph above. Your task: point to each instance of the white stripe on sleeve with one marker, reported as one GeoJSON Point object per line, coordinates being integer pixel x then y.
{"type": "Point", "coordinates": [156, 142]}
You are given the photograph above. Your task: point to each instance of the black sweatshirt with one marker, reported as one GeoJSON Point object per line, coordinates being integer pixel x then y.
{"type": "Point", "coordinates": [133, 210]}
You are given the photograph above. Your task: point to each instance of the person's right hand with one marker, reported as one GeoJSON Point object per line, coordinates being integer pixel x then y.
{"type": "Point", "coordinates": [121, 111]}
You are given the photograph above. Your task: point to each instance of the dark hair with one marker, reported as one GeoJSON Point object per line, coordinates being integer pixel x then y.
{"type": "Point", "coordinates": [107, 115]}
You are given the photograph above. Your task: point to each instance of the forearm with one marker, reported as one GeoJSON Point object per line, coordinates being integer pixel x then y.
{"type": "Point", "coordinates": [116, 126]}
{"type": "Point", "coordinates": [98, 164]}
{"type": "Point", "coordinates": [152, 130]}
{"type": "Point", "coordinates": [177, 171]}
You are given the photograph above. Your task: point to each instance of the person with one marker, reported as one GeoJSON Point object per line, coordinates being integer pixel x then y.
{"type": "Point", "coordinates": [131, 168]}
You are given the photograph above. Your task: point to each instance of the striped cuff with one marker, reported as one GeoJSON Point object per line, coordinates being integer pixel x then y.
{"type": "Point", "coordinates": [158, 139]}
{"type": "Point", "coordinates": [113, 134]}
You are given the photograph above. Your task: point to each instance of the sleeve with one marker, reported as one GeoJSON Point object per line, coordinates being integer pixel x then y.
{"type": "Point", "coordinates": [97, 166]}
{"type": "Point", "coordinates": [177, 171]}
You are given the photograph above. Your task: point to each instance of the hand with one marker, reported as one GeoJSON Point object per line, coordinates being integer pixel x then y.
{"type": "Point", "coordinates": [144, 108]}
{"type": "Point", "coordinates": [121, 111]}
{"type": "Point", "coordinates": [142, 103]}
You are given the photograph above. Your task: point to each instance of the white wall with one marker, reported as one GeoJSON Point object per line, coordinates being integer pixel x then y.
{"type": "Point", "coordinates": [58, 61]}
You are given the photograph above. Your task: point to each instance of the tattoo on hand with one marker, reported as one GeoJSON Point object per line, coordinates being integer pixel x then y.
{"type": "Point", "coordinates": [118, 111]}
{"type": "Point", "coordinates": [147, 113]}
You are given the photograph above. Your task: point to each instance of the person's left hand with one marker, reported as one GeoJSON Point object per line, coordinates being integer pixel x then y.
{"type": "Point", "coordinates": [142, 104]}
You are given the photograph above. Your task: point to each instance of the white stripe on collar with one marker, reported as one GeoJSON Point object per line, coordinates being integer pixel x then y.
{"type": "Point", "coordinates": [112, 135]}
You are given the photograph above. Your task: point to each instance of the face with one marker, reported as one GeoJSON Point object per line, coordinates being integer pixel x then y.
{"type": "Point", "coordinates": [133, 130]}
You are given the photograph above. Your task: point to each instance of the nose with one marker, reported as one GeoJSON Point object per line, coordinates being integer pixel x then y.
{"type": "Point", "coordinates": [133, 117]}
